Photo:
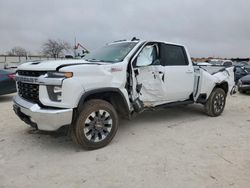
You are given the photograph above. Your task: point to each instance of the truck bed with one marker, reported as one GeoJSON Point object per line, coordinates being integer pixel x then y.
{"type": "Point", "coordinates": [211, 69]}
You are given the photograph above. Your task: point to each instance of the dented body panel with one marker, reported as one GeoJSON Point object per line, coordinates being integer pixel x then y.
{"type": "Point", "coordinates": [208, 81]}
{"type": "Point", "coordinates": [163, 84]}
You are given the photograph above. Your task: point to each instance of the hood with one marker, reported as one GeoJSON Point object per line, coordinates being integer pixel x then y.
{"type": "Point", "coordinates": [51, 65]}
{"type": "Point", "coordinates": [245, 78]}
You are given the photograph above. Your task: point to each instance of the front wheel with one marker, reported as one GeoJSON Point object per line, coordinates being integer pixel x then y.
{"type": "Point", "coordinates": [96, 124]}
{"type": "Point", "coordinates": [216, 102]}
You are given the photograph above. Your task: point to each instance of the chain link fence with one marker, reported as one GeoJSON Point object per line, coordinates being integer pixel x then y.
{"type": "Point", "coordinates": [7, 61]}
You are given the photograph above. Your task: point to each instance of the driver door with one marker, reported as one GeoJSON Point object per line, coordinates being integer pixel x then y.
{"type": "Point", "coordinates": [149, 75]}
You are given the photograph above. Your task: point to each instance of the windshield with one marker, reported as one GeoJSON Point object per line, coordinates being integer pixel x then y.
{"type": "Point", "coordinates": [111, 53]}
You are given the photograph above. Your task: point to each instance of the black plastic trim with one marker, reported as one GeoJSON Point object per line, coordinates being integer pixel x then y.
{"type": "Point", "coordinates": [197, 88]}
{"type": "Point", "coordinates": [202, 98]}
{"type": "Point", "coordinates": [73, 64]}
{"type": "Point", "coordinates": [24, 117]}
{"type": "Point", "coordinates": [186, 102]}
{"type": "Point", "coordinates": [102, 90]}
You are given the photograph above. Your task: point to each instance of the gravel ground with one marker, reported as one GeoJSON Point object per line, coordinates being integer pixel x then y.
{"type": "Point", "coordinates": [176, 147]}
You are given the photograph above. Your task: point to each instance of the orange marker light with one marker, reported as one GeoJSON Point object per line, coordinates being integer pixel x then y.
{"type": "Point", "coordinates": [68, 74]}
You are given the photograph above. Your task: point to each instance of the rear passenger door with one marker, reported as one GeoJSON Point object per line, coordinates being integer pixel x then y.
{"type": "Point", "coordinates": [179, 72]}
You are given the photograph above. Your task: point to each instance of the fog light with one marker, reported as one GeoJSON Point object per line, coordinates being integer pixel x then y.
{"type": "Point", "coordinates": [59, 97]}
{"type": "Point", "coordinates": [57, 89]}
{"type": "Point", "coordinates": [58, 93]}
{"type": "Point", "coordinates": [55, 93]}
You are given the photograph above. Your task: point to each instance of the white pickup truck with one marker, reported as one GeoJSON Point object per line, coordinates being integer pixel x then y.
{"type": "Point", "coordinates": [121, 79]}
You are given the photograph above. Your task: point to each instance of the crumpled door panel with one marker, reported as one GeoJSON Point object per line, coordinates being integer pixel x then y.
{"type": "Point", "coordinates": [152, 80]}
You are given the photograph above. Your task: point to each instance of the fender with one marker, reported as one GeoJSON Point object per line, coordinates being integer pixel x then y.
{"type": "Point", "coordinates": [116, 91]}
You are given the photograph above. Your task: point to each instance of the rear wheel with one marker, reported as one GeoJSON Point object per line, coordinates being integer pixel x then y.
{"type": "Point", "coordinates": [216, 102]}
{"type": "Point", "coordinates": [96, 124]}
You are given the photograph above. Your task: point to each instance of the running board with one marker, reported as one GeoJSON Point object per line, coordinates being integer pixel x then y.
{"type": "Point", "coordinates": [178, 103]}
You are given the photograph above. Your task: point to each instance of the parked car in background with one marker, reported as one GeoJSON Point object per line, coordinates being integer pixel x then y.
{"type": "Point", "coordinates": [244, 84]}
{"type": "Point", "coordinates": [11, 65]}
{"type": "Point", "coordinates": [219, 62]}
{"type": "Point", "coordinates": [227, 63]}
{"type": "Point", "coordinates": [239, 72]}
{"type": "Point", "coordinates": [241, 63]}
{"type": "Point", "coordinates": [203, 64]}
{"type": "Point", "coordinates": [247, 68]}
{"type": "Point", "coordinates": [7, 82]}
{"type": "Point", "coordinates": [215, 62]}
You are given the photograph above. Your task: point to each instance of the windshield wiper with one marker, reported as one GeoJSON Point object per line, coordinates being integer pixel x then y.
{"type": "Point", "coordinates": [92, 60]}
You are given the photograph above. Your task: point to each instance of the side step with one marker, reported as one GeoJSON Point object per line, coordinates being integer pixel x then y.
{"type": "Point", "coordinates": [178, 103]}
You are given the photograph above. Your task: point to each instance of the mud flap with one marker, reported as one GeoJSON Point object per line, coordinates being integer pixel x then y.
{"type": "Point", "coordinates": [138, 105]}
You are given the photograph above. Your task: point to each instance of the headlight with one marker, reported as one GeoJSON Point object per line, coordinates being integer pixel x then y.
{"type": "Point", "coordinates": [60, 74]}
{"type": "Point", "coordinates": [55, 91]}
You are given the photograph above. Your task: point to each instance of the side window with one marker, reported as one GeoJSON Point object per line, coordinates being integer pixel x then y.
{"type": "Point", "coordinates": [172, 55]}
{"type": "Point", "coordinates": [237, 70]}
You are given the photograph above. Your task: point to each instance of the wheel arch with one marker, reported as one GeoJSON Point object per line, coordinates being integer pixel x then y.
{"type": "Point", "coordinates": [112, 95]}
{"type": "Point", "coordinates": [222, 85]}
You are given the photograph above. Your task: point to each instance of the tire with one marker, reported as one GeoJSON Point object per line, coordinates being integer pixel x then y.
{"type": "Point", "coordinates": [216, 102]}
{"type": "Point", "coordinates": [96, 124]}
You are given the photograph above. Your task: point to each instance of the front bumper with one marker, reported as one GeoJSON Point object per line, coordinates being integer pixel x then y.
{"type": "Point", "coordinates": [47, 119]}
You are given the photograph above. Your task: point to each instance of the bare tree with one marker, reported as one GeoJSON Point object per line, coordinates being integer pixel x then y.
{"type": "Point", "coordinates": [18, 51]}
{"type": "Point", "coordinates": [55, 48]}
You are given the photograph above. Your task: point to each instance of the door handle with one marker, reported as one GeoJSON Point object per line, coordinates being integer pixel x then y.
{"type": "Point", "coordinates": [163, 75]}
{"type": "Point", "coordinates": [159, 73]}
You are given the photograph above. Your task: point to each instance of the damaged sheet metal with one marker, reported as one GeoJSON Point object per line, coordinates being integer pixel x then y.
{"type": "Point", "coordinates": [153, 87]}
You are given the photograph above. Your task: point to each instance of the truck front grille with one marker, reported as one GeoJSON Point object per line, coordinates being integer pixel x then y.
{"type": "Point", "coordinates": [28, 91]}
{"type": "Point", "coordinates": [31, 73]}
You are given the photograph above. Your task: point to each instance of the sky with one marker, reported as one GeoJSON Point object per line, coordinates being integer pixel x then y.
{"type": "Point", "coordinates": [219, 28]}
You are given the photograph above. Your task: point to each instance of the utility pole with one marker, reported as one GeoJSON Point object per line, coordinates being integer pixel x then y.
{"type": "Point", "coordinates": [75, 48]}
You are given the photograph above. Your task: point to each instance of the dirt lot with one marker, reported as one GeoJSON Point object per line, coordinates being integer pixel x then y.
{"type": "Point", "coordinates": [177, 147]}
